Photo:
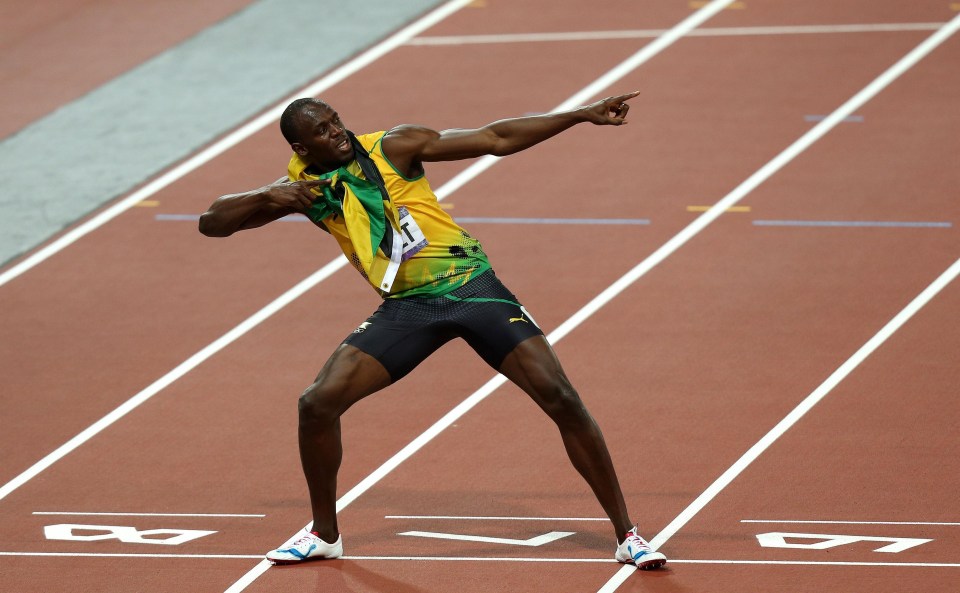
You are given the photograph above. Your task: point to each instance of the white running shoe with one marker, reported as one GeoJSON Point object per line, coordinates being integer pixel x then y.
{"type": "Point", "coordinates": [308, 546]}
{"type": "Point", "coordinates": [636, 550]}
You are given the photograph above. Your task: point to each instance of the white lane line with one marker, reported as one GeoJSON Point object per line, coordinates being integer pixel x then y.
{"type": "Point", "coordinates": [475, 169]}
{"type": "Point", "coordinates": [672, 561]}
{"type": "Point", "coordinates": [651, 33]}
{"type": "Point", "coordinates": [178, 372]}
{"type": "Point", "coordinates": [606, 80]}
{"type": "Point", "coordinates": [454, 518]}
{"type": "Point", "coordinates": [232, 139]}
{"type": "Point", "coordinates": [488, 559]}
{"type": "Point", "coordinates": [108, 555]}
{"type": "Point", "coordinates": [603, 82]}
{"type": "Point", "coordinates": [850, 522]}
{"type": "Point", "coordinates": [823, 563]}
{"type": "Point", "coordinates": [481, 559]}
{"type": "Point", "coordinates": [86, 514]}
{"type": "Point", "coordinates": [805, 141]}
{"type": "Point", "coordinates": [532, 542]}
{"type": "Point", "coordinates": [168, 178]}
{"type": "Point", "coordinates": [862, 224]}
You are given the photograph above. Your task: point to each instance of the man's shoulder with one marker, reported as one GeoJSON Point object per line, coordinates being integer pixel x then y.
{"type": "Point", "coordinates": [405, 143]}
{"type": "Point", "coordinates": [410, 132]}
{"type": "Point", "coordinates": [401, 135]}
{"type": "Point", "coordinates": [369, 140]}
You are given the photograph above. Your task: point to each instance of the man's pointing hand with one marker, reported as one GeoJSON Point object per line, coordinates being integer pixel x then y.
{"type": "Point", "coordinates": [611, 111]}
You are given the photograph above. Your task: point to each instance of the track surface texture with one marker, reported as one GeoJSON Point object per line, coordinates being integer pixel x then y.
{"type": "Point", "coordinates": [777, 386]}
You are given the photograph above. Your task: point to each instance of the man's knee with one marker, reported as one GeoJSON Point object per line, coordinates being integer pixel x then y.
{"type": "Point", "coordinates": [348, 376]}
{"type": "Point", "coordinates": [561, 401]}
{"type": "Point", "coordinates": [320, 403]}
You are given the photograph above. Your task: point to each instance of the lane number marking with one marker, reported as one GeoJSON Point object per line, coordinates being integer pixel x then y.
{"type": "Point", "coordinates": [123, 533]}
{"type": "Point", "coordinates": [777, 539]}
{"type": "Point", "coordinates": [533, 542]}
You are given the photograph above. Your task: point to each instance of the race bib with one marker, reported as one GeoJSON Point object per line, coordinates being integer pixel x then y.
{"type": "Point", "coordinates": [413, 238]}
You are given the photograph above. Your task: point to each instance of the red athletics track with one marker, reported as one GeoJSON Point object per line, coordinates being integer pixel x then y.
{"type": "Point", "coordinates": [685, 370]}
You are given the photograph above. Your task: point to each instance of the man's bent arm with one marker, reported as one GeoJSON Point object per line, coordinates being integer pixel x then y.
{"type": "Point", "coordinates": [255, 208]}
{"type": "Point", "coordinates": [408, 146]}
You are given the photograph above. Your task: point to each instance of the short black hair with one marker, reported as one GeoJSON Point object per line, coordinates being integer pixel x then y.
{"type": "Point", "coordinates": [290, 119]}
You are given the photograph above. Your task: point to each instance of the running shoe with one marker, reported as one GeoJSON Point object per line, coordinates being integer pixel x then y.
{"type": "Point", "coordinates": [308, 546]}
{"type": "Point", "coordinates": [636, 550]}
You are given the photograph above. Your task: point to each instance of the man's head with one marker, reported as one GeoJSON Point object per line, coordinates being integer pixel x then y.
{"type": "Point", "coordinates": [315, 132]}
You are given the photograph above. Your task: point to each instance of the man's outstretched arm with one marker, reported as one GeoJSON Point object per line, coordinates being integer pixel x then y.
{"type": "Point", "coordinates": [409, 146]}
{"type": "Point", "coordinates": [255, 208]}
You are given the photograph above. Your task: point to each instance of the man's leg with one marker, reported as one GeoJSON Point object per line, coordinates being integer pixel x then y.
{"type": "Point", "coordinates": [347, 377]}
{"type": "Point", "coordinates": [533, 366]}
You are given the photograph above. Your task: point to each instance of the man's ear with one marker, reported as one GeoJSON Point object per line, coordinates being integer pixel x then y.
{"type": "Point", "coordinates": [299, 149]}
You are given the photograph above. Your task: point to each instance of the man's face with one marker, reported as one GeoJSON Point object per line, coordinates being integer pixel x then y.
{"type": "Point", "coordinates": [323, 139]}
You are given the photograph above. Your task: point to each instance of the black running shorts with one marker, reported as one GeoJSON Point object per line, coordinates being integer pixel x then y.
{"type": "Point", "coordinates": [404, 332]}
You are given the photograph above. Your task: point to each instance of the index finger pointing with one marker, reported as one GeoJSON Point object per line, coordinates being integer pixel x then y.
{"type": "Point", "coordinates": [626, 97]}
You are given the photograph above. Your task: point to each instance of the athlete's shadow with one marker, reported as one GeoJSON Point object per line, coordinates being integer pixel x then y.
{"type": "Point", "coordinates": [351, 576]}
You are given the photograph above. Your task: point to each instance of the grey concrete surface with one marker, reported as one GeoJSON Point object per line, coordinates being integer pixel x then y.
{"type": "Point", "coordinates": [90, 151]}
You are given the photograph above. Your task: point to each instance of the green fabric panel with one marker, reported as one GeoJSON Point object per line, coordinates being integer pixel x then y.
{"type": "Point", "coordinates": [365, 191]}
{"type": "Point", "coordinates": [478, 300]}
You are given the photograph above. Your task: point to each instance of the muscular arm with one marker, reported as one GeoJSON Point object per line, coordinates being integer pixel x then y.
{"type": "Point", "coordinates": [255, 208]}
{"type": "Point", "coordinates": [408, 146]}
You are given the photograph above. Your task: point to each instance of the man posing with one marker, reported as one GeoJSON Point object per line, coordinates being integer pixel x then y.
{"type": "Point", "coordinates": [371, 194]}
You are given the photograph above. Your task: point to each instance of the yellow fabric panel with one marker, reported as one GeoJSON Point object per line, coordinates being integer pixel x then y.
{"type": "Point", "coordinates": [449, 260]}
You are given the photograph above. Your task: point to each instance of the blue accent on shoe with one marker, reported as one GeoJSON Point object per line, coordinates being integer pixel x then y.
{"type": "Point", "coordinates": [636, 556]}
{"type": "Point", "coordinates": [297, 553]}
